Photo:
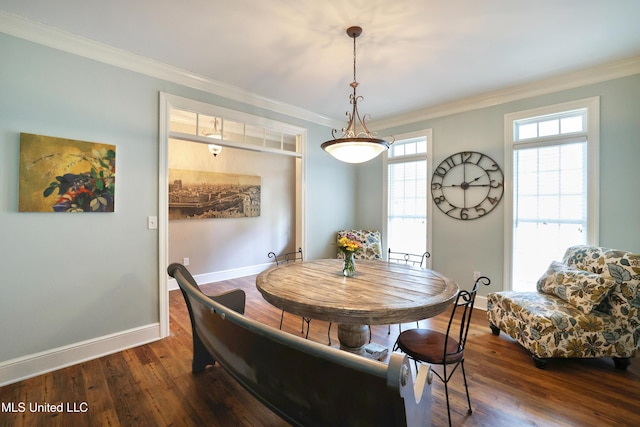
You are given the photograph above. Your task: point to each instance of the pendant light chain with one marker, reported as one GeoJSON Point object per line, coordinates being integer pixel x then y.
{"type": "Point", "coordinates": [354, 65]}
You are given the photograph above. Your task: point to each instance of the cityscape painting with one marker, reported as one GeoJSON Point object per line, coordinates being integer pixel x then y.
{"type": "Point", "coordinates": [199, 194]}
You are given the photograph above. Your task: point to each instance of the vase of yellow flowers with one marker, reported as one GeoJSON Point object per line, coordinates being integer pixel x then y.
{"type": "Point", "coordinates": [349, 246]}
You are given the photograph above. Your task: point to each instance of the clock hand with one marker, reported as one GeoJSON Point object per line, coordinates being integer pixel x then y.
{"type": "Point", "coordinates": [464, 185]}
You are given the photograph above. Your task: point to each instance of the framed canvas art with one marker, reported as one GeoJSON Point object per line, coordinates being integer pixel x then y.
{"type": "Point", "coordinates": [199, 194]}
{"type": "Point", "coordinates": [65, 175]}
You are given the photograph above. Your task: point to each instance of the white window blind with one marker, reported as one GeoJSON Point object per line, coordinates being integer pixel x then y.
{"type": "Point", "coordinates": [407, 196]}
{"type": "Point", "coordinates": [550, 196]}
{"type": "Point", "coordinates": [549, 192]}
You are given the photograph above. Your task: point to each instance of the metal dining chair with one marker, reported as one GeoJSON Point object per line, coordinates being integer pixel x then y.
{"type": "Point", "coordinates": [416, 260]}
{"type": "Point", "coordinates": [446, 349]}
{"type": "Point", "coordinates": [285, 258]}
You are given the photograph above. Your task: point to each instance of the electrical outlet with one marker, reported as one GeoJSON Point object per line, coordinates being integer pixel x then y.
{"type": "Point", "coordinates": [476, 275]}
{"type": "Point", "coordinates": [185, 261]}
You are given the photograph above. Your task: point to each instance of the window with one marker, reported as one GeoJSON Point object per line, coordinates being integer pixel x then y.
{"type": "Point", "coordinates": [266, 136]}
{"type": "Point", "coordinates": [554, 198]}
{"type": "Point", "coordinates": [407, 166]}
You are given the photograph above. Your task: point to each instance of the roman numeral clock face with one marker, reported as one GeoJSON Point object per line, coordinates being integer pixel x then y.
{"type": "Point", "coordinates": [467, 185]}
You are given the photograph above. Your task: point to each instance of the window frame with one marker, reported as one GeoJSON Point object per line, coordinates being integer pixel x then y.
{"type": "Point", "coordinates": [592, 106]}
{"type": "Point", "coordinates": [428, 134]}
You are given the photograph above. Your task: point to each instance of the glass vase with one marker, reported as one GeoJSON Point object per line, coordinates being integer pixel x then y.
{"type": "Point", "coordinates": [349, 264]}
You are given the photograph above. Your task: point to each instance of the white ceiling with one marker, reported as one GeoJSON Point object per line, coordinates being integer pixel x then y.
{"type": "Point", "coordinates": [413, 54]}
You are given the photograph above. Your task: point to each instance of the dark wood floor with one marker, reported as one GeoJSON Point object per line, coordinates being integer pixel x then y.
{"type": "Point", "coordinates": [152, 385]}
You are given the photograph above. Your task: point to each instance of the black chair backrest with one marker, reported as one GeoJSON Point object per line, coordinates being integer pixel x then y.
{"type": "Point", "coordinates": [287, 257]}
{"type": "Point", "coordinates": [408, 258]}
{"type": "Point", "coordinates": [462, 311]}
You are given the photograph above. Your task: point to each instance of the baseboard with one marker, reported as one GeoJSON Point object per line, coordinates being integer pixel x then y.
{"type": "Point", "coordinates": [29, 366]}
{"type": "Point", "coordinates": [481, 303]}
{"type": "Point", "coordinates": [217, 276]}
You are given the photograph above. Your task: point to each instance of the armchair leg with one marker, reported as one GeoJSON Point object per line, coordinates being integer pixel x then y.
{"type": "Point", "coordinates": [540, 362]}
{"type": "Point", "coordinates": [622, 362]}
{"type": "Point", "coordinates": [494, 329]}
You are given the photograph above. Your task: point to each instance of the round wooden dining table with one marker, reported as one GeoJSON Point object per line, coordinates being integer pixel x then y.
{"type": "Point", "coordinates": [380, 293]}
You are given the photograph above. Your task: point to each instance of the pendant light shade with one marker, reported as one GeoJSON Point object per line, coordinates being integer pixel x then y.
{"type": "Point", "coordinates": [355, 150]}
{"type": "Point", "coordinates": [355, 146]}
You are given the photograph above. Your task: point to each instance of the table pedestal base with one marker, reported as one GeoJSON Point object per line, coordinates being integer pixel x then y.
{"type": "Point", "coordinates": [353, 337]}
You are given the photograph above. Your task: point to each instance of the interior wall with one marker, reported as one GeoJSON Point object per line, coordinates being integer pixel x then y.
{"type": "Point", "coordinates": [220, 244]}
{"type": "Point", "coordinates": [462, 247]}
{"type": "Point", "coordinates": [73, 277]}
{"type": "Point", "coordinates": [74, 284]}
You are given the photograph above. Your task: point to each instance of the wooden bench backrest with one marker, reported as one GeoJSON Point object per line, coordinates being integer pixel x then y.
{"type": "Point", "coordinates": [304, 382]}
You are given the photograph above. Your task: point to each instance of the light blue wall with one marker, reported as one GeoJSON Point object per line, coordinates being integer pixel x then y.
{"type": "Point", "coordinates": [70, 278]}
{"type": "Point", "coordinates": [461, 247]}
{"type": "Point", "coordinates": [67, 278]}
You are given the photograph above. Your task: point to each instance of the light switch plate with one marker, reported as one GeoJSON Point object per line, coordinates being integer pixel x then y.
{"type": "Point", "coordinates": [152, 222]}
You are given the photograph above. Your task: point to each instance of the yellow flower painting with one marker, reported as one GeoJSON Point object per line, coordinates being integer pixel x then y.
{"type": "Point", "coordinates": [65, 175]}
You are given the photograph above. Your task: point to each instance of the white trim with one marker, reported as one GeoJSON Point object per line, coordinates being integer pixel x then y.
{"type": "Point", "coordinates": [593, 172]}
{"type": "Point", "coordinates": [14, 370]}
{"type": "Point", "coordinates": [224, 143]}
{"type": "Point", "coordinates": [217, 276]}
{"type": "Point", "coordinates": [168, 101]}
{"type": "Point", "coordinates": [601, 73]}
{"type": "Point", "coordinates": [301, 193]}
{"type": "Point", "coordinates": [163, 213]}
{"type": "Point", "coordinates": [481, 303]}
{"type": "Point", "coordinates": [593, 169]}
{"type": "Point", "coordinates": [37, 32]}
{"type": "Point", "coordinates": [508, 203]}
{"type": "Point", "coordinates": [199, 107]}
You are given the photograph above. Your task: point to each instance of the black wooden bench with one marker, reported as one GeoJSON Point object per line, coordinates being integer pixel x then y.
{"type": "Point", "coordinates": [304, 382]}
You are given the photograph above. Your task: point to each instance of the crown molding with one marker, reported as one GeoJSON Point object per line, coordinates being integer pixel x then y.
{"type": "Point", "coordinates": [604, 72]}
{"type": "Point", "coordinates": [36, 32]}
{"type": "Point", "coordinates": [20, 27]}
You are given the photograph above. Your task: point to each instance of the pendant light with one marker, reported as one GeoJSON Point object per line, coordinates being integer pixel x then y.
{"type": "Point", "coordinates": [214, 134]}
{"type": "Point", "coordinates": [355, 146]}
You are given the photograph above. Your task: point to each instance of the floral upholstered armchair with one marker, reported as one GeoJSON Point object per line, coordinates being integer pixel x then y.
{"type": "Point", "coordinates": [369, 239]}
{"type": "Point", "coordinates": [586, 306]}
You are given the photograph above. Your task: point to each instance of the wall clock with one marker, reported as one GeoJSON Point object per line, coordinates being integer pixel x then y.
{"type": "Point", "coordinates": [467, 185]}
